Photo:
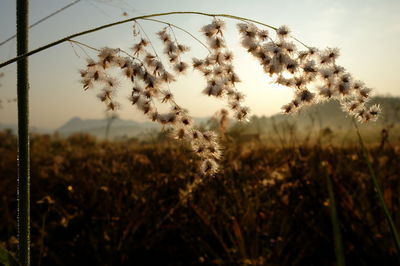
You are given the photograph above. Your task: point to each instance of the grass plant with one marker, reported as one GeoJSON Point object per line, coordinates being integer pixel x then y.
{"type": "Point", "coordinates": [277, 54]}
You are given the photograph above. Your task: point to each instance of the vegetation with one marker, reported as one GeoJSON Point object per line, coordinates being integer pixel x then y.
{"type": "Point", "coordinates": [123, 203]}
{"type": "Point", "coordinates": [101, 203]}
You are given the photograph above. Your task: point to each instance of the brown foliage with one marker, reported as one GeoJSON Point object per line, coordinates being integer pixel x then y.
{"type": "Point", "coordinates": [117, 203]}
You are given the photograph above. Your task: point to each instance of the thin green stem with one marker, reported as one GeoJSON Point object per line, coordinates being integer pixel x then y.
{"type": "Point", "coordinates": [6, 258]}
{"type": "Point", "coordinates": [23, 134]}
{"type": "Point", "coordinates": [378, 190]}
{"type": "Point", "coordinates": [339, 252]}
{"type": "Point", "coordinates": [297, 40]}
{"type": "Point", "coordinates": [72, 42]}
{"type": "Point", "coordinates": [47, 46]}
{"type": "Point", "coordinates": [87, 46]}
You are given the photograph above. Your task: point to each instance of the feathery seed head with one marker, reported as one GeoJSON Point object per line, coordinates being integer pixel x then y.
{"type": "Point", "coordinates": [164, 36]}
{"type": "Point", "coordinates": [197, 63]}
{"type": "Point", "coordinates": [358, 85]}
{"type": "Point", "coordinates": [313, 75]}
{"type": "Point", "coordinates": [374, 111]}
{"type": "Point", "coordinates": [242, 113]}
{"type": "Point", "coordinates": [217, 43]}
{"type": "Point", "coordinates": [364, 92]}
{"type": "Point", "coordinates": [181, 67]}
{"type": "Point", "coordinates": [180, 133]}
{"type": "Point", "coordinates": [209, 167]}
{"type": "Point", "coordinates": [209, 30]}
{"type": "Point", "coordinates": [248, 30]}
{"type": "Point", "coordinates": [186, 121]}
{"type": "Point", "coordinates": [305, 96]}
{"type": "Point", "coordinates": [263, 35]}
{"type": "Point", "coordinates": [218, 25]}
{"type": "Point", "coordinates": [288, 108]}
{"type": "Point", "coordinates": [283, 31]}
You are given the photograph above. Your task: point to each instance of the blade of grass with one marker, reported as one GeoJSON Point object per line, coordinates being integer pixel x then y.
{"type": "Point", "coordinates": [7, 259]}
{"type": "Point", "coordinates": [339, 251]}
{"type": "Point", "coordinates": [378, 190]}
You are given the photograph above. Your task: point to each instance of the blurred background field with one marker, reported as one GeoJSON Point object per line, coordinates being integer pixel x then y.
{"type": "Point", "coordinates": [127, 200]}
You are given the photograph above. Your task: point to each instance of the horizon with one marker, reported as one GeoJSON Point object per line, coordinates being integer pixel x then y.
{"type": "Point", "coordinates": [198, 118]}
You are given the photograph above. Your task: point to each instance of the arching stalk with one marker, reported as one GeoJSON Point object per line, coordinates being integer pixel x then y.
{"type": "Point", "coordinates": [47, 46]}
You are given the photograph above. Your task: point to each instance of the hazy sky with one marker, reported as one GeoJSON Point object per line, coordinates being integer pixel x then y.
{"type": "Point", "coordinates": [366, 31]}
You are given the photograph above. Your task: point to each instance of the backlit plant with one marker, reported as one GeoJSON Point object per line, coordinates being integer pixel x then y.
{"type": "Point", "coordinates": [312, 73]}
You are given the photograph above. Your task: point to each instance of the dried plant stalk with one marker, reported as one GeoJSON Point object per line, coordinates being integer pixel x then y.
{"type": "Point", "coordinates": [23, 135]}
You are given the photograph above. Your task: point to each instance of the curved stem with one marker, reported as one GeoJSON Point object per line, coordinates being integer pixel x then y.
{"type": "Point", "coordinates": [378, 190]}
{"type": "Point", "coordinates": [47, 46]}
{"type": "Point", "coordinates": [87, 46]}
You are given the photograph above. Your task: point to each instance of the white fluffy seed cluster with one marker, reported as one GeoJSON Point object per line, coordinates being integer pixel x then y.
{"type": "Point", "coordinates": [313, 74]}
{"type": "Point", "coordinates": [150, 81]}
{"type": "Point", "coordinates": [218, 70]}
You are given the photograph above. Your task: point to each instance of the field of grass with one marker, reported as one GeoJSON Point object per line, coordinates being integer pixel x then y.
{"type": "Point", "coordinates": [128, 203]}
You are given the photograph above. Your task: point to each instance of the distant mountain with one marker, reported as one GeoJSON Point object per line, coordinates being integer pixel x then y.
{"type": "Point", "coordinates": [117, 127]}
{"type": "Point", "coordinates": [77, 124]}
{"type": "Point", "coordinates": [98, 127]}
{"type": "Point", "coordinates": [324, 115]}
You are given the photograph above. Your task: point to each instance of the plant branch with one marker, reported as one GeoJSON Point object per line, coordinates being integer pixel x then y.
{"type": "Point", "coordinates": [378, 190]}
{"type": "Point", "coordinates": [87, 46]}
{"type": "Point", "coordinates": [47, 46]}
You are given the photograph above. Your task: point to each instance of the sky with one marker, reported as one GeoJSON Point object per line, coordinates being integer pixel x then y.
{"type": "Point", "coordinates": [366, 31]}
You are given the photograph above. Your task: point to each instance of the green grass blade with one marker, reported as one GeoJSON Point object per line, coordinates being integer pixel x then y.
{"type": "Point", "coordinates": [378, 190]}
{"type": "Point", "coordinates": [7, 259]}
{"type": "Point", "coordinates": [339, 251]}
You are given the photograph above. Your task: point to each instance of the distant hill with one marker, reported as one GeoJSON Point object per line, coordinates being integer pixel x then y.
{"type": "Point", "coordinates": [118, 127]}
{"type": "Point", "coordinates": [327, 115]}
{"type": "Point", "coordinates": [330, 114]}
{"type": "Point", "coordinates": [97, 127]}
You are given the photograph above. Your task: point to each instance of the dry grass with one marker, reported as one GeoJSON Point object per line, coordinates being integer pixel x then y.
{"type": "Point", "coordinates": [110, 203]}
